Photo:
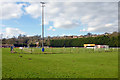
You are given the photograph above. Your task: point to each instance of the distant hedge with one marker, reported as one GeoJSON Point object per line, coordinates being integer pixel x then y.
{"type": "Point", "coordinates": [24, 45]}
{"type": "Point", "coordinates": [79, 42]}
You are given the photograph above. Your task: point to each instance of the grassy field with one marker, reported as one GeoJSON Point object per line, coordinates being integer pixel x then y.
{"type": "Point", "coordinates": [66, 63]}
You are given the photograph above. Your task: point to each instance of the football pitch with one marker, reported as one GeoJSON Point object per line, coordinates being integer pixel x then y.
{"type": "Point", "coordinates": [59, 63]}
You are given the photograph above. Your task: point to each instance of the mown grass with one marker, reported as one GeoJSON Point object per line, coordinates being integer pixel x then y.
{"type": "Point", "coordinates": [78, 63]}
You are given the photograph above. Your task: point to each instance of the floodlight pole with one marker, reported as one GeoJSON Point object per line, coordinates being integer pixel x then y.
{"type": "Point", "coordinates": [43, 5]}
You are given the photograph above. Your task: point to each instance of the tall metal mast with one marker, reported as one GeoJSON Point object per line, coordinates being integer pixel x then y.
{"type": "Point", "coordinates": [43, 5]}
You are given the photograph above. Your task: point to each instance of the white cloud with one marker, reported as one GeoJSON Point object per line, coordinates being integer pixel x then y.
{"type": "Point", "coordinates": [51, 28]}
{"type": "Point", "coordinates": [96, 15]}
{"type": "Point", "coordinates": [34, 10]}
{"type": "Point", "coordinates": [108, 25]}
{"type": "Point", "coordinates": [10, 32]}
{"type": "Point", "coordinates": [10, 10]}
{"type": "Point", "coordinates": [29, 35]}
{"type": "Point", "coordinates": [91, 29]}
{"type": "Point", "coordinates": [66, 35]}
{"type": "Point", "coordinates": [2, 25]}
{"type": "Point", "coordinates": [83, 30]}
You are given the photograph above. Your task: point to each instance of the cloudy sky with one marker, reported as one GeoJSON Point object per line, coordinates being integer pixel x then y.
{"type": "Point", "coordinates": [61, 18]}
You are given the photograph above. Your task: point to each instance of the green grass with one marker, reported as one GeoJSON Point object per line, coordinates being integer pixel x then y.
{"type": "Point", "coordinates": [67, 63]}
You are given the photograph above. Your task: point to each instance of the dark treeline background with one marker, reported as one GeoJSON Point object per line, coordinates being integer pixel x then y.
{"type": "Point", "coordinates": [79, 42]}
{"type": "Point", "coordinates": [22, 40]}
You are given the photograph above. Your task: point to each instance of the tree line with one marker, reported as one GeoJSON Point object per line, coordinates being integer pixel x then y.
{"type": "Point", "coordinates": [112, 41]}
{"type": "Point", "coordinates": [22, 40]}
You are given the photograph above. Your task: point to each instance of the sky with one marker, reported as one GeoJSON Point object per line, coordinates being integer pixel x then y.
{"type": "Point", "coordinates": [61, 18]}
